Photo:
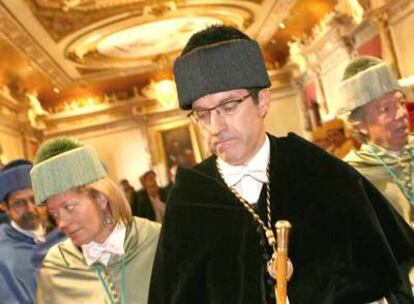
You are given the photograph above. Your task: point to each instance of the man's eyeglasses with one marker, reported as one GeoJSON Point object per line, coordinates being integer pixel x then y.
{"type": "Point", "coordinates": [226, 108]}
{"type": "Point", "coordinates": [21, 202]}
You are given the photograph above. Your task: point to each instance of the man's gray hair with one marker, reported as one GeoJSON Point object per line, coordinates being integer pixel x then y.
{"type": "Point", "coordinates": [353, 120]}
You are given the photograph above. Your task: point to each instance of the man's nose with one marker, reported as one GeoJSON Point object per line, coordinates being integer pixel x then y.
{"type": "Point", "coordinates": [31, 207]}
{"type": "Point", "coordinates": [401, 111]}
{"type": "Point", "coordinates": [217, 122]}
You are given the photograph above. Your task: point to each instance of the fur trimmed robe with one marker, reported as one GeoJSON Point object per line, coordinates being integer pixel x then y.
{"type": "Point", "coordinates": [347, 243]}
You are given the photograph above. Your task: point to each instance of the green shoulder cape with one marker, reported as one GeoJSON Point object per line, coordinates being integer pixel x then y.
{"type": "Point", "coordinates": [66, 278]}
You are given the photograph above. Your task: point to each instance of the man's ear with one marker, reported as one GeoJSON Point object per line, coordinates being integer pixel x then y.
{"type": "Point", "coordinates": [264, 101]}
{"type": "Point", "coordinates": [5, 207]}
{"type": "Point", "coordinates": [362, 128]}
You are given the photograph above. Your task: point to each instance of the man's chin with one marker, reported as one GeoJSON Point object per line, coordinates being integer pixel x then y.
{"type": "Point", "coordinates": [397, 145]}
{"type": "Point", "coordinates": [30, 224]}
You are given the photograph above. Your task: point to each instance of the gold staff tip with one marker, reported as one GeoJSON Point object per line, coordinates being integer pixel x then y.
{"type": "Point", "coordinates": [283, 224]}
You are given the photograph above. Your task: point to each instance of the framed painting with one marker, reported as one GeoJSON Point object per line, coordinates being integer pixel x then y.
{"type": "Point", "coordinates": [176, 144]}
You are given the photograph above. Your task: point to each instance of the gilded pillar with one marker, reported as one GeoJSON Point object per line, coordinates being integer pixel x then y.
{"type": "Point", "coordinates": [381, 18]}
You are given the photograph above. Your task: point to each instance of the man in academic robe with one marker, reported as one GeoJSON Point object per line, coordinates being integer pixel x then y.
{"type": "Point", "coordinates": [373, 104]}
{"type": "Point", "coordinates": [347, 243]}
{"type": "Point", "coordinates": [23, 241]}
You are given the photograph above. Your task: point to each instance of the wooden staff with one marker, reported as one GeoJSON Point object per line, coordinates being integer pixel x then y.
{"type": "Point", "coordinates": [283, 266]}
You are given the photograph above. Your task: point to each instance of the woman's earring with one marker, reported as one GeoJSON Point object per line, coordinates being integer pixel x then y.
{"type": "Point", "coordinates": [108, 218]}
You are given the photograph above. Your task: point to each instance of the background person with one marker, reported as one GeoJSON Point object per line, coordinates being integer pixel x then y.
{"type": "Point", "coordinates": [24, 241]}
{"type": "Point", "coordinates": [341, 145]}
{"type": "Point", "coordinates": [129, 192]}
{"type": "Point", "coordinates": [373, 104]}
{"type": "Point", "coordinates": [151, 198]}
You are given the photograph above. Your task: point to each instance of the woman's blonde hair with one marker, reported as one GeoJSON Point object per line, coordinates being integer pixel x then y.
{"type": "Point", "coordinates": [118, 205]}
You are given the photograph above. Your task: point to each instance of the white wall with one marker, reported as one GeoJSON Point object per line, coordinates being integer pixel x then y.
{"type": "Point", "coordinates": [284, 114]}
{"type": "Point", "coordinates": [402, 30]}
{"type": "Point", "coordinates": [124, 152]}
{"type": "Point", "coordinates": [332, 69]}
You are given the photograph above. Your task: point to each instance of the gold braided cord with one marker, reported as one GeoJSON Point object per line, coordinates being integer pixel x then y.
{"type": "Point", "coordinates": [271, 239]}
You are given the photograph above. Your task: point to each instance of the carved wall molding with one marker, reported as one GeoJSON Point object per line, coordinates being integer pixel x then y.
{"type": "Point", "coordinates": [9, 124]}
{"type": "Point", "coordinates": [364, 32]}
{"type": "Point", "coordinates": [9, 103]}
{"type": "Point", "coordinates": [399, 10]}
{"type": "Point", "coordinates": [103, 116]}
{"type": "Point", "coordinates": [100, 125]}
{"type": "Point", "coordinates": [10, 113]}
{"type": "Point", "coordinates": [274, 11]}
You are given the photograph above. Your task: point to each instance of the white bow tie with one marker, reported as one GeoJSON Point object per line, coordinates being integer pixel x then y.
{"type": "Point", "coordinates": [233, 175]}
{"type": "Point", "coordinates": [114, 244]}
{"type": "Point", "coordinates": [94, 252]}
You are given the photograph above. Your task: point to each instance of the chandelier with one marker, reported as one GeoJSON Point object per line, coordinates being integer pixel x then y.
{"type": "Point", "coordinates": [164, 91]}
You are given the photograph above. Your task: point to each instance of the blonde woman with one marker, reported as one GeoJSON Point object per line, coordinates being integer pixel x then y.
{"type": "Point", "coordinates": [108, 255]}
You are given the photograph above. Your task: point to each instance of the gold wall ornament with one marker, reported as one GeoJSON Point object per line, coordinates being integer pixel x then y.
{"type": "Point", "coordinates": [159, 8]}
{"type": "Point", "coordinates": [35, 111]}
{"type": "Point", "coordinates": [164, 91]}
{"type": "Point", "coordinates": [354, 9]}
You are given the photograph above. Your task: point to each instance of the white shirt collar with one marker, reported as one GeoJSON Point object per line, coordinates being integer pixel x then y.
{"type": "Point", "coordinates": [259, 161]}
{"type": "Point", "coordinates": [114, 244]}
{"type": "Point", "coordinates": [249, 187]}
{"type": "Point", "coordinates": [38, 235]}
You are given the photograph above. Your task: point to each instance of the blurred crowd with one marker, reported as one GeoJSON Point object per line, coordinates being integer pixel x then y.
{"type": "Point", "coordinates": [334, 138]}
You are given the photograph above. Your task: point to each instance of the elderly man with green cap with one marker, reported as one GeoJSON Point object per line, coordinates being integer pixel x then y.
{"type": "Point", "coordinates": [218, 240]}
{"type": "Point", "coordinates": [372, 102]}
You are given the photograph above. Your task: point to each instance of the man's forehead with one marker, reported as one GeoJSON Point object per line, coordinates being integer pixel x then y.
{"type": "Point", "coordinates": [21, 193]}
{"type": "Point", "coordinates": [217, 98]}
{"type": "Point", "coordinates": [389, 97]}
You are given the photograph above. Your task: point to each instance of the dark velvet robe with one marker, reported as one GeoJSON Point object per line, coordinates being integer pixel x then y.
{"type": "Point", "coordinates": [142, 206]}
{"type": "Point", "coordinates": [347, 242]}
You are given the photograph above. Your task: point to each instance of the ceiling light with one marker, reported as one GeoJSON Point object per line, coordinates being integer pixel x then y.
{"type": "Point", "coordinates": [164, 91]}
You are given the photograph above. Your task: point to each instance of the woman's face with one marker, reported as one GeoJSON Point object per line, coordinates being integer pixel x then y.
{"type": "Point", "coordinates": [79, 216]}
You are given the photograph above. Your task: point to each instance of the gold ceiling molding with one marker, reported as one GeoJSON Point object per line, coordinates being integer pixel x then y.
{"type": "Point", "coordinates": [140, 41]}
{"type": "Point", "coordinates": [60, 20]}
{"type": "Point", "coordinates": [21, 39]}
{"type": "Point", "coordinates": [85, 5]}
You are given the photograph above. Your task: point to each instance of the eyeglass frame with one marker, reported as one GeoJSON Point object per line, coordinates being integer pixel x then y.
{"type": "Point", "coordinates": [20, 203]}
{"type": "Point", "coordinates": [238, 100]}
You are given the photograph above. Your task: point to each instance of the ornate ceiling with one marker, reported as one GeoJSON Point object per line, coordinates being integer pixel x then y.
{"type": "Point", "coordinates": [66, 49]}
